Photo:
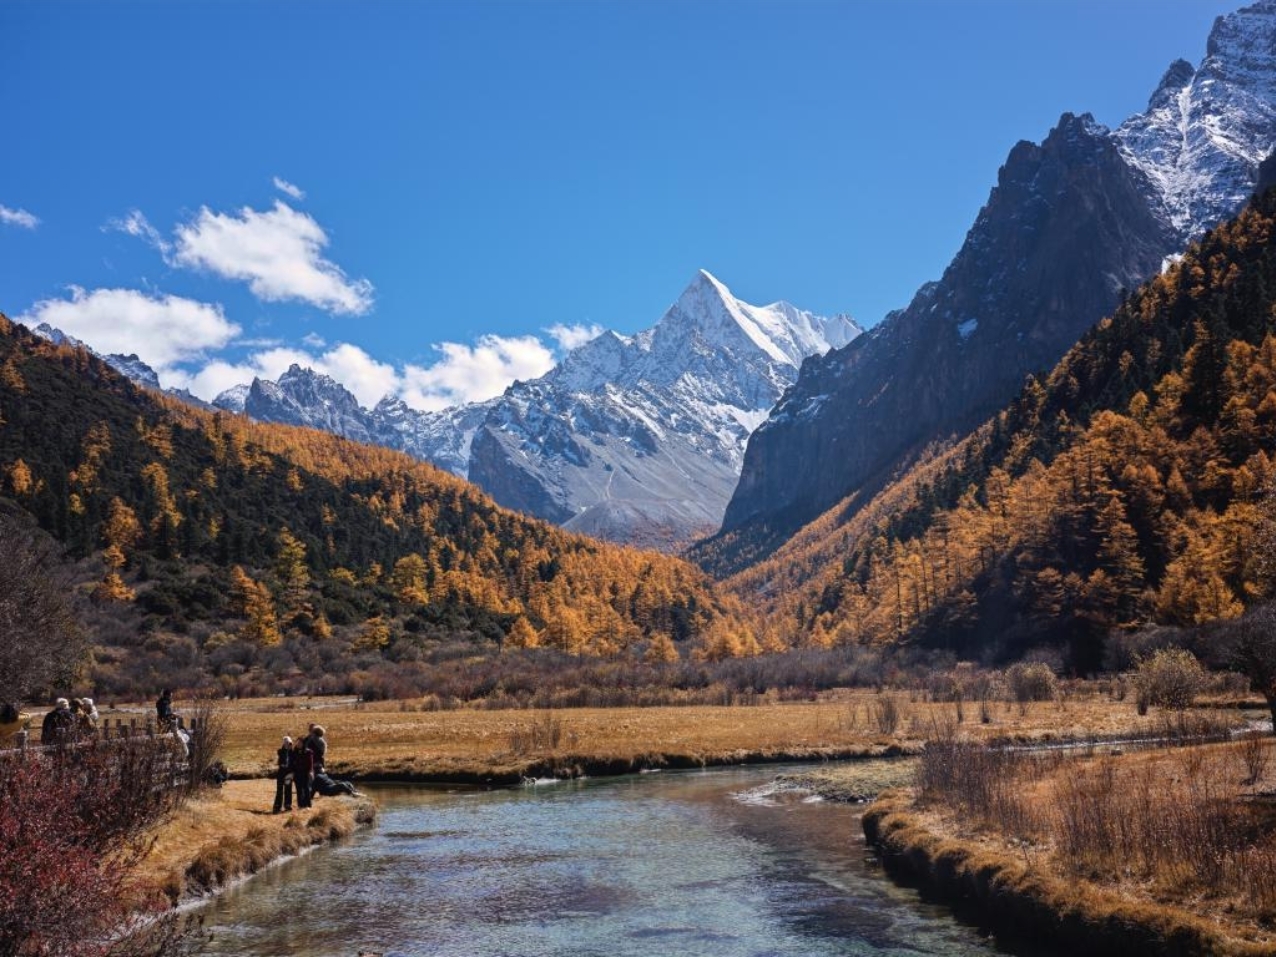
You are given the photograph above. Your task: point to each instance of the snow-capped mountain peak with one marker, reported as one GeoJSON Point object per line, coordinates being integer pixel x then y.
{"type": "Point", "coordinates": [783, 332]}
{"type": "Point", "coordinates": [234, 398]}
{"type": "Point", "coordinates": [641, 438]}
{"type": "Point", "coordinates": [1206, 130]}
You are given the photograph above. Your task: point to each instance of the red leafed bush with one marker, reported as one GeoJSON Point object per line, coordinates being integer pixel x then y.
{"type": "Point", "coordinates": [72, 822]}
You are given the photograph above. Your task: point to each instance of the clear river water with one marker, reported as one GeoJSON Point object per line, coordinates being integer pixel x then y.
{"type": "Point", "coordinates": [674, 863]}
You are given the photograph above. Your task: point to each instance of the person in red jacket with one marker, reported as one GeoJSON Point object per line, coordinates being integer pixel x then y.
{"type": "Point", "coordinates": [303, 769]}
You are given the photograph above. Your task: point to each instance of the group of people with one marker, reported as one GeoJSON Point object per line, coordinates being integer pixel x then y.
{"type": "Point", "coordinates": [300, 765]}
{"type": "Point", "coordinates": [70, 719]}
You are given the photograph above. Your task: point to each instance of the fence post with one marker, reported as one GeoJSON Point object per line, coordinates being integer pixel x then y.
{"type": "Point", "coordinates": [21, 740]}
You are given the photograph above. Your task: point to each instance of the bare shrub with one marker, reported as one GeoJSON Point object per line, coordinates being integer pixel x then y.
{"type": "Point", "coordinates": [41, 644]}
{"type": "Point", "coordinates": [1180, 827]}
{"type": "Point", "coordinates": [1031, 681]}
{"type": "Point", "coordinates": [208, 725]}
{"type": "Point", "coordinates": [1170, 678]}
{"type": "Point", "coordinates": [73, 822]}
{"type": "Point", "coordinates": [542, 732]}
{"type": "Point", "coordinates": [985, 783]}
{"type": "Point", "coordinates": [887, 713]}
{"type": "Point", "coordinates": [1252, 752]}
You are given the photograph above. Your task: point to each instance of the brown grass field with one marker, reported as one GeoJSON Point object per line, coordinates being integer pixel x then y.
{"type": "Point", "coordinates": [390, 740]}
{"type": "Point", "coordinates": [1180, 842]}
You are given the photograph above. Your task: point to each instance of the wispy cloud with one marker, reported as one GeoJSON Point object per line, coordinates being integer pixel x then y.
{"type": "Point", "coordinates": [18, 217]}
{"type": "Point", "coordinates": [135, 224]}
{"type": "Point", "coordinates": [289, 189]}
{"type": "Point", "coordinates": [162, 330]}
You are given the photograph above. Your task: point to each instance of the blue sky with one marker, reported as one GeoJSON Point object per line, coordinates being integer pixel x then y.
{"type": "Point", "coordinates": [432, 198]}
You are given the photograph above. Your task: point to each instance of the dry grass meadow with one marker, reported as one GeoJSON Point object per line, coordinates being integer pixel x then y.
{"type": "Point", "coordinates": [228, 833]}
{"type": "Point", "coordinates": [391, 740]}
{"type": "Point", "coordinates": [1180, 840]}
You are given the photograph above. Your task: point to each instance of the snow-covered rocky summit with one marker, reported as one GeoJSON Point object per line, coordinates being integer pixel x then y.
{"type": "Point", "coordinates": [130, 366]}
{"type": "Point", "coordinates": [636, 438]}
{"type": "Point", "coordinates": [1206, 129]}
{"type": "Point", "coordinates": [641, 438]}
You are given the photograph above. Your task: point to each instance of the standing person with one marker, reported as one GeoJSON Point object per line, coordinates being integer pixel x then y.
{"type": "Point", "coordinates": [165, 716]}
{"type": "Point", "coordinates": [318, 744]}
{"type": "Point", "coordinates": [303, 766]}
{"type": "Point", "coordinates": [87, 719]}
{"type": "Point", "coordinates": [58, 724]}
{"type": "Point", "coordinates": [283, 776]}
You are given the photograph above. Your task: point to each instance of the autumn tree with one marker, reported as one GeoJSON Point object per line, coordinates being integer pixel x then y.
{"type": "Point", "coordinates": [252, 600]}
{"type": "Point", "coordinates": [407, 578]}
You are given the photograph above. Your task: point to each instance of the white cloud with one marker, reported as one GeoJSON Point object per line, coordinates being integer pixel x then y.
{"type": "Point", "coordinates": [314, 340]}
{"type": "Point", "coordinates": [289, 189]}
{"type": "Point", "coordinates": [277, 252]}
{"type": "Point", "coordinates": [162, 330]}
{"type": "Point", "coordinates": [473, 373]}
{"type": "Point", "coordinates": [137, 225]}
{"type": "Point", "coordinates": [368, 379]}
{"type": "Point", "coordinates": [18, 217]}
{"type": "Point", "coordinates": [462, 374]}
{"type": "Point", "coordinates": [570, 337]}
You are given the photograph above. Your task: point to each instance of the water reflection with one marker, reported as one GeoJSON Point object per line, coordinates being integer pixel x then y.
{"type": "Point", "coordinates": [669, 864]}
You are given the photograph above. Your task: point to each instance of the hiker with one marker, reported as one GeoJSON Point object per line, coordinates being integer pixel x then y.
{"type": "Point", "coordinates": [303, 766]}
{"type": "Point", "coordinates": [12, 720]}
{"type": "Point", "coordinates": [166, 717]}
{"type": "Point", "coordinates": [318, 746]}
{"type": "Point", "coordinates": [283, 776]}
{"type": "Point", "coordinates": [59, 724]}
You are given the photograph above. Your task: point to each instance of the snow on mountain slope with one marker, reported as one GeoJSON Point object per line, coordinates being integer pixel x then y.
{"type": "Point", "coordinates": [642, 438]}
{"type": "Point", "coordinates": [1206, 129]}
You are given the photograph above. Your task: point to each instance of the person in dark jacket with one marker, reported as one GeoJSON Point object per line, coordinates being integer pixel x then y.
{"type": "Point", "coordinates": [59, 724]}
{"type": "Point", "coordinates": [166, 717]}
{"type": "Point", "coordinates": [303, 767]}
{"type": "Point", "coordinates": [318, 745]}
{"type": "Point", "coordinates": [283, 776]}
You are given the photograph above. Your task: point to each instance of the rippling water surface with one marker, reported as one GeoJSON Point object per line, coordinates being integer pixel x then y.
{"type": "Point", "coordinates": [691, 863]}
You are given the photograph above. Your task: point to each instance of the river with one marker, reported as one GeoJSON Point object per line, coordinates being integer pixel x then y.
{"type": "Point", "coordinates": [654, 865]}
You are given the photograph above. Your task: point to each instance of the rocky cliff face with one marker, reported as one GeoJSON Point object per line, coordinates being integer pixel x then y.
{"type": "Point", "coordinates": [641, 438]}
{"type": "Point", "coordinates": [305, 397]}
{"type": "Point", "coordinates": [1065, 229]}
{"type": "Point", "coordinates": [1069, 224]}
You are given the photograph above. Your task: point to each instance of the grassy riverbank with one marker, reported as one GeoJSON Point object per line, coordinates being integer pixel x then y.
{"type": "Point", "coordinates": [229, 833]}
{"type": "Point", "coordinates": [1164, 852]}
{"type": "Point", "coordinates": [392, 741]}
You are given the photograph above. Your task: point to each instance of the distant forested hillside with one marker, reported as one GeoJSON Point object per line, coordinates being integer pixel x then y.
{"type": "Point", "coordinates": [1133, 484]}
{"type": "Point", "coordinates": [209, 544]}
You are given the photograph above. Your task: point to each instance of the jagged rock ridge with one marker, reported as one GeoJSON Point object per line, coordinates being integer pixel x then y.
{"type": "Point", "coordinates": [1069, 224]}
